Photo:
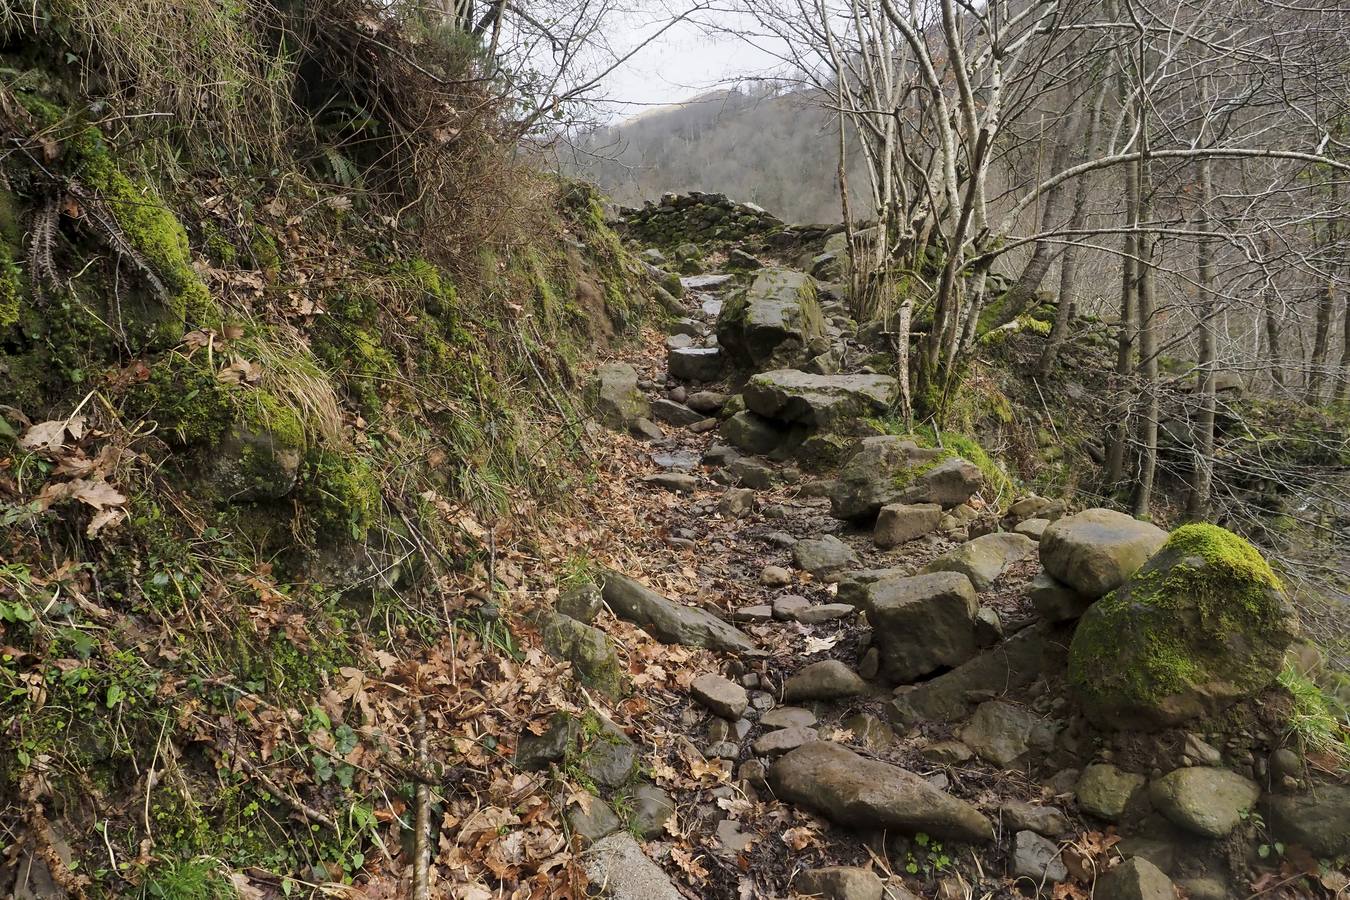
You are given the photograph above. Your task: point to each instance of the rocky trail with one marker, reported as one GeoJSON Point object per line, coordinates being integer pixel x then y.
{"type": "Point", "coordinates": [869, 643]}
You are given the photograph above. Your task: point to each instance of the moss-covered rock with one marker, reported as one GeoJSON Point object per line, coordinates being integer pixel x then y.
{"type": "Point", "coordinates": [1202, 624]}
{"type": "Point", "coordinates": [259, 458]}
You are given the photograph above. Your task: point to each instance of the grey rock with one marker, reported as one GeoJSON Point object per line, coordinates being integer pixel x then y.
{"type": "Point", "coordinates": [617, 865]}
{"type": "Point", "coordinates": [1200, 753]}
{"type": "Point", "coordinates": [852, 586]}
{"type": "Point", "coordinates": [870, 731]}
{"type": "Point", "coordinates": [588, 649]}
{"type": "Point", "coordinates": [774, 743]}
{"type": "Point", "coordinates": [679, 460]}
{"type": "Point", "coordinates": [736, 502]}
{"type": "Point", "coordinates": [645, 429]}
{"type": "Point", "coordinates": [695, 364]}
{"type": "Point", "coordinates": [988, 627]}
{"type": "Point", "coordinates": [679, 342]}
{"type": "Point", "coordinates": [947, 753]}
{"type": "Point", "coordinates": [828, 679]}
{"type": "Point", "coordinates": [1032, 528]}
{"type": "Point", "coordinates": [818, 401]}
{"type": "Point", "coordinates": [823, 555]}
{"type": "Point", "coordinates": [949, 483]}
{"type": "Point", "coordinates": [723, 750]}
{"type": "Point", "coordinates": [669, 622]}
{"type": "Point", "coordinates": [1318, 820]}
{"type": "Point", "coordinates": [775, 576]}
{"type": "Point", "coordinates": [580, 601]}
{"type": "Point", "coordinates": [536, 752]}
{"type": "Point", "coordinates": [685, 325]}
{"type": "Point", "coordinates": [786, 608]}
{"type": "Point", "coordinates": [652, 808]}
{"type": "Point", "coordinates": [675, 413]}
{"type": "Point", "coordinates": [1011, 665]}
{"type": "Point", "coordinates": [614, 396]}
{"type": "Point", "coordinates": [877, 474]}
{"type": "Point", "coordinates": [752, 473]}
{"type": "Point", "coordinates": [757, 613]}
{"type": "Point", "coordinates": [856, 792]}
{"type": "Point", "coordinates": [1034, 507]}
{"type": "Point", "coordinates": [788, 717]}
{"type": "Point", "coordinates": [675, 482]}
{"type": "Point", "coordinates": [922, 623]}
{"type": "Point", "coordinates": [752, 433]}
{"type": "Point", "coordinates": [1056, 602]}
{"type": "Point", "coordinates": [898, 523]}
{"type": "Point", "coordinates": [1037, 858]}
{"type": "Point", "coordinates": [1002, 733]}
{"type": "Point", "coordinates": [720, 455]}
{"type": "Point", "coordinates": [984, 559]}
{"type": "Point", "coordinates": [1134, 879]}
{"type": "Point", "coordinates": [706, 402]}
{"type": "Point", "coordinates": [826, 612]}
{"type": "Point", "coordinates": [1094, 551]}
{"type": "Point", "coordinates": [1046, 820]}
{"type": "Point", "coordinates": [724, 698]}
{"type": "Point", "coordinates": [1106, 791]}
{"type": "Point", "coordinates": [840, 883]}
{"type": "Point", "coordinates": [1206, 801]}
{"type": "Point", "coordinates": [593, 822]}
{"type": "Point", "coordinates": [255, 461]}
{"type": "Point", "coordinates": [774, 323]}
{"type": "Point", "coordinates": [730, 836]}
{"type": "Point", "coordinates": [1209, 887]}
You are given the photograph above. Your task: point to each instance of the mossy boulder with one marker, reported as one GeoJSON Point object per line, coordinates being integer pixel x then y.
{"type": "Point", "coordinates": [590, 652]}
{"type": "Point", "coordinates": [260, 456]}
{"type": "Point", "coordinates": [1204, 623]}
{"type": "Point", "coordinates": [614, 396]}
{"type": "Point", "coordinates": [775, 323]}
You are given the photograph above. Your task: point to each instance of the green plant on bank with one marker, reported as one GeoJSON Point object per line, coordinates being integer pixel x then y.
{"type": "Point", "coordinates": [1317, 722]}
{"type": "Point", "coordinates": [200, 878]}
{"type": "Point", "coordinates": [930, 860]}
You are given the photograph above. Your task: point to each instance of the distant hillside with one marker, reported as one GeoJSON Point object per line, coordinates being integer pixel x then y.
{"type": "Point", "coordinates": [771, 148]}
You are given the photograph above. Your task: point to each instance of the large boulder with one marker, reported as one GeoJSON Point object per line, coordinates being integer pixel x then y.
{"type": "Point", "coordinates": [949, 483]}
{"type": "Point", "coordinates": [898, 523]}
{"type": "Point", "coordinates": [1134, 879]}
{"type": "Point", "coordinates": [983, 559]}
{"type": "Point", "coordinates": [774, 323]}
{"type": "Point", "coordinates": [618, 863]}
{"type": "Point", "coordinates": [1203, 624]}
{"type": "Point", "coordinates": [587, 648]}
{"type": "Point", "coordinates": [1003, 733]}
{"type": "Point", "coordinates": [667, 621]}
{"type": "Point", "coordinates": [697, 364]}
{"type": "Point", "coordinates": [1094, 551]}
{"type": "Point", "coordinates": [1206, 801]}
{"type": "Point", "coordinates": [878, 473]}
{"type": "Point", "coordinates": [1318, 820]}
{"type": "Point", "coordinates": [856, 792]}
{"type": "Point", "coordinates": [922, 623]}
{"type": "Point", "coordinates": [752, 433]}
{"type": "Point", "coordinates": [823, 555]}
{"type": "Point", "coordinates": [614, 396]}
{"type": "Point", "coordinates": [818, 401]}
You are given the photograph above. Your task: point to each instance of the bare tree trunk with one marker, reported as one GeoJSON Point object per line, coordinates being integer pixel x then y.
{"type": "Point", "coordinates": [1068, 263]}
{"type": "Point", "coordinates": [1022, 295]}
{"type": "Point", "coordinates": [1119, 431]}
{"type": "Point", "coordinates": [1326, 308]}
{"type": "Point", "coordinates": [1148, 349]}
{"type": "Point", "coordinates": [1343, 376]}
{"type": "Point", "coordinates": [1197, 504]}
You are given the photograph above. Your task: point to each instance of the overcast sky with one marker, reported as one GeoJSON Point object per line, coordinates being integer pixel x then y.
{"type": "Point", "coordinates": [683, 62]}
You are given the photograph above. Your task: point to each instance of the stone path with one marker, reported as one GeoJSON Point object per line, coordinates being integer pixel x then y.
{"type": "Point", "coordinates": [889, 652]}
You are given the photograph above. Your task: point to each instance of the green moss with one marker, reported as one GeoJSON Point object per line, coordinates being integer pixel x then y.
{"type": "Point", "coordinates": [262, 411]}
{"type": "Point", "coordinates": [266, 254]}
{"type": "Point", "coordinates": [1218, 584]}
{"type": "Point", "coordinates": [342, 494]}
{"type": "Point", "coordinates": [12, 288]}
{"type": "Point", "coordinates": [190, 404]}
{"type": "Point", "coordinates": [217, 245]}
{"type": "Point", "coordinates": [153, 231]}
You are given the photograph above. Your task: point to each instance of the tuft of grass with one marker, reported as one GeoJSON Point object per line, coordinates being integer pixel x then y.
{"type": "Point", "coordinates": [1316, 722]}
{"type": "Point", "coordinates": [202, 878]}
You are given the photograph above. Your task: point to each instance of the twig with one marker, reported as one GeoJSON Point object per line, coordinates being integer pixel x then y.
{"type": "Point", "coordinates": [292, 803]}
{"type": "Point", "coordinates": [422, 857]}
